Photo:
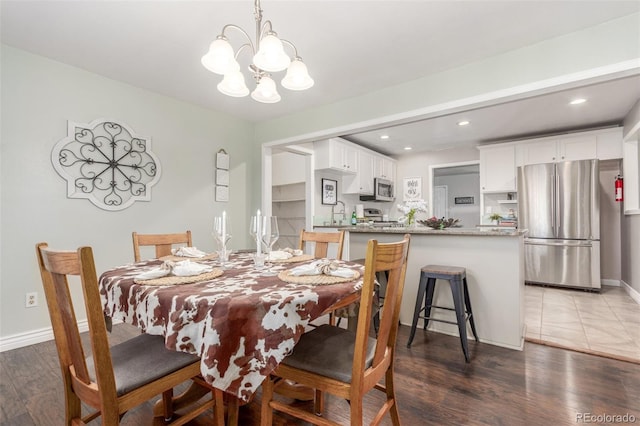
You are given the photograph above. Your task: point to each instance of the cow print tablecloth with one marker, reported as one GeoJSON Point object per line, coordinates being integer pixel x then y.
{"type": "Point", "coordinates": [242, 324]}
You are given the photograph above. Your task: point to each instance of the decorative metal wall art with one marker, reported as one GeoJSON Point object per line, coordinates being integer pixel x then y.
{"type": "Point", "coordinates": [106, 163]}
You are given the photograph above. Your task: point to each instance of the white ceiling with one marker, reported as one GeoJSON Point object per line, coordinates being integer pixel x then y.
{"type": "Point", "coordinates": [350, 47]}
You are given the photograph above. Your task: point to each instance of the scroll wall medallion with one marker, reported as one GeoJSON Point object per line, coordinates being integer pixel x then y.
{"type": "Point", "coordinates": [106, 163]}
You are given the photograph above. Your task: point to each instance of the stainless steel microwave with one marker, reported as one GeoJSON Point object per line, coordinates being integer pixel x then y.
{"type": "Point", "coordinates": [383, 190]}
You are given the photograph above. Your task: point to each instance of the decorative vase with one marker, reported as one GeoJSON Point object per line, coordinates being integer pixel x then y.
{"type": "Point", "coordinates": [411, 219]}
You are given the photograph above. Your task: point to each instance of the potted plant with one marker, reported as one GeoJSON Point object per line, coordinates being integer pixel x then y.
{"type": "Point", "coordinates": [495, 217]}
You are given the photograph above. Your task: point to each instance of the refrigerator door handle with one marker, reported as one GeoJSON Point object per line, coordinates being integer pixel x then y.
{"type": "Point", "coordinates": [582, 243]}
{"type": "Point", "coordinates": [556, 202]}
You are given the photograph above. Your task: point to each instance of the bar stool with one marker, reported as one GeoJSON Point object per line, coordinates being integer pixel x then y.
{"type": "Point", "coordinates": [457, 278]}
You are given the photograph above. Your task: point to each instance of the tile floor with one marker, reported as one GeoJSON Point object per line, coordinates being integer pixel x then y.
{"type": "Point", "coordinates": [607, 322]}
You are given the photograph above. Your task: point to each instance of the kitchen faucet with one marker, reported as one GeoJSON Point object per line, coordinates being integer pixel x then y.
{"type": "Point", "coordinates": [342, 212]}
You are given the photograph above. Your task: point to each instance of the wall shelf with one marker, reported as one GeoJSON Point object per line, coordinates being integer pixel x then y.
{"type": "Point", "coordinates": [507, 201]}
{"type": "Point", "coordinates": [289, 200]}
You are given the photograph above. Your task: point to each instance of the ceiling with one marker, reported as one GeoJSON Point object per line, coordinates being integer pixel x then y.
{"type": "Point", "coordinates": [350, 47]}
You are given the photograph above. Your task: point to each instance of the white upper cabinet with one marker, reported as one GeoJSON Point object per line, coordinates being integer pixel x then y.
{"type": "Point", "coordinates": [335, 154]}
{"type": "Point", "coordinates": [362, 182]}
{"type": "Point", "coordinates": [497, 168]}
{"type": "Point", "coordinates": [601, 144]}
{"type": "Point", "coordinates": [582, 147]}
{"type": "Point", "coordinates": [385, 168]}
{"type": "Point", "coordinates": [579, 147]}
{"type": "Point", "coordinates": [609, 144]}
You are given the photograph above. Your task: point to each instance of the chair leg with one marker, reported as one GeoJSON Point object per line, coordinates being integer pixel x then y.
{"type": "Point", "coordinates": [266, 412]}
{"type": "Point", "coordinates": [218, 409]}
{"type": "Point", "coordinates": [467, 302]}
{"type": "Point", "coordinates": [391, 396]}
{"type": "Point", "coordinates": [167, 404]}
{"type": "Point", "coordinates": [416, 312]}
{"type": "Point", "coordinates": [318, 403]}
{"type": "Point", "coordinates": [356, 411]}
{"type": "Point", "coordinates": [458, 303]}
{"type": "Point", "coordinates": [428, 301]}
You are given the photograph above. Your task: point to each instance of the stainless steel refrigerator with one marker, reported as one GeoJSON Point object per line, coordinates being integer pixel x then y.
{"type": "Point", "coordinates": [559, 203]}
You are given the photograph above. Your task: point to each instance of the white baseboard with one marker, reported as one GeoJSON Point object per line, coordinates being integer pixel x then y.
{"type": "Point", "coordinates": [32, 337]}
{"type": "Point", "coordinates": [37, 336]}
{"type": "Point", "coordinates": [612, 283]}
{"type": "Point", "coordinates": [635, 295]}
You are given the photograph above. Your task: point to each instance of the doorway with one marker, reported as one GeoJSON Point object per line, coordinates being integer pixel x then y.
{"type": "Point", "coordinates": [456, 192]}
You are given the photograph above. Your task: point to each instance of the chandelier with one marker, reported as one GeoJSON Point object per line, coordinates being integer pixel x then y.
{"type": "Point", "coordinates": [268, 57]}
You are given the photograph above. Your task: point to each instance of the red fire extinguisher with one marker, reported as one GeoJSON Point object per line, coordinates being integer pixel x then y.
{"type": "Point", "coordinates": [619, 187]}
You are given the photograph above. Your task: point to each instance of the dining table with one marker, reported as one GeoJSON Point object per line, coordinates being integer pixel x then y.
{"type": "Point", "coordinates": [240, 320]}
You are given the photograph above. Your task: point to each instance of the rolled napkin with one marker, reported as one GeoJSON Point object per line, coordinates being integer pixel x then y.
{"type": "Point", "coordinates": [187, 268]}
{"type": "Point", "coordinates": [188, 252]}
{"type": "Point", "coordinates": [279, 255]}
{"type": "Point", "coordinates": [161, 271]}
{"type": "Point", "coordinates": [325, 267]}
{"type": "Point", "coordinates": [293, 252]}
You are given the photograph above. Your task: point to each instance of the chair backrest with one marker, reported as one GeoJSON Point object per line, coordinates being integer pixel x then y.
{"type": "Point", "coordinates": [162, 242]}
{"type": "Point", "coordinates": [380, 257]}
{"type": "Point", "coordinates": [55, 267]}
{"type": "Point", "coordinates": [322, 241]}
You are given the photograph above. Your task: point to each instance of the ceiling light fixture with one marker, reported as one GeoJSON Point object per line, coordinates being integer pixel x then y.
{"type": "Point", "coordinates": [384, 137]}
{"type": "Point", "coordinates": [408, 148]}
{"type": "Point", "coordinates": [577, 101]}
{"type": "Point", "coordinates": [268, 56]}
{"type": "Point", "coordinates": [463, 123]}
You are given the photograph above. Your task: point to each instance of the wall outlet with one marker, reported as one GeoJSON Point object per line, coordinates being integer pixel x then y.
{"type": "Point", "coordinates": [31, 300]}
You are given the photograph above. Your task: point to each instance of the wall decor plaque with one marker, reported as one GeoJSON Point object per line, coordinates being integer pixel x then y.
{"type": "Point", "coordinates": [107, 163]}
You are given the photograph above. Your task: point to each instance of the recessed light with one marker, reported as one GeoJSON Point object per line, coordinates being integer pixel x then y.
{"type": "Point", "coordinates": [578, 101]}
{"type": "Point", "coordinates": [408, 148]}
{"type": "Point", "coordinates": [463, 123]}
{"type": "Point", "coordinates": [384, 137]}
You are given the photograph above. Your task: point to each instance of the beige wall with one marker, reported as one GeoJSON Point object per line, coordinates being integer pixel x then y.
{"type": "Point", "coordinates": [38, 97]}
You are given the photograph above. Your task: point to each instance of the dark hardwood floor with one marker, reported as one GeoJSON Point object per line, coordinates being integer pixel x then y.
{"type": "Point", "coordinates": [540, 385]}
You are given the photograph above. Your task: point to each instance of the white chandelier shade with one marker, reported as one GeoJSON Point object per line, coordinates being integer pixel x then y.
{"type": "Point", "coordinates": [297, 77]}
{"type": "Point", "coordinates": [268, 57]}
{"type": "Point", "coordinates": [220, 59]}
{"type": "Point", "coordinates": [266, 91]}
{"type": "Point", "coordinates": [271, 56]}
{"type": "Point", "coordinates": [233, 84]}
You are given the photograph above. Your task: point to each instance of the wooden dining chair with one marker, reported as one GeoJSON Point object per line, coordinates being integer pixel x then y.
{"type": "Point", "coordinates": [112, 380]}
{"type": "Point", "coordinates": [322, 241]}
{"type": "Point", "coordinates": [345, 363]}
{"type": "Point", "coordinates": [163, 242]}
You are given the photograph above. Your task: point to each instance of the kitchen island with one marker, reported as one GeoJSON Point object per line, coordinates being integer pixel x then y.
{"type": "Point", "coordinates": [494, 259]}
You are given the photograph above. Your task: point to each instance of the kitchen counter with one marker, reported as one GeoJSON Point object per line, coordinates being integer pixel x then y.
{"type": "Point", "coordinates": [484, 231]}
{"type": "Point", "coordinates": [495, 276]}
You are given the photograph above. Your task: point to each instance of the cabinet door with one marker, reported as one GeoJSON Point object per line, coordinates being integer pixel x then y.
{"type": "Point", "coordinates": [361, 182]}
{"type": "Point", "coordinates": [336, 155]}
{"type": "Point", "coordinates": [350, 159]}
{"type": "Point", "coordinates": [384, 168]}
{"type": "Point", "coordinates": [365, 173]}
{"type": "Point", "coordinates": [498, 169]}
{"type": "Point", "coordinates": [609, 145]}
{"type": "Point", "coordinates": [577, 148]}
{"type": "Point", "coordinates": [540, 152]}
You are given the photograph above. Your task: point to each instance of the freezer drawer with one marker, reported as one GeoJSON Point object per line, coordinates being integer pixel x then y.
{"type": "Point", "coordinates": [567, 263]}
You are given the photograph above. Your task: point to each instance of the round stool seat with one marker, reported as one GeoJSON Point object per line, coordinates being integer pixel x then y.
{"type": "Point", "coordinates": [442, 270]}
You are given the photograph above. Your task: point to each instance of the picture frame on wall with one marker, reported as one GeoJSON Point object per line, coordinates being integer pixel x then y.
{"type": "Point", "coordinates": [329, 191]}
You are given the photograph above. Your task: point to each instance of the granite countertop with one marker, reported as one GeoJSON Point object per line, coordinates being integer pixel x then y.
{"type": "Point", "coordinates": [485, 231]}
